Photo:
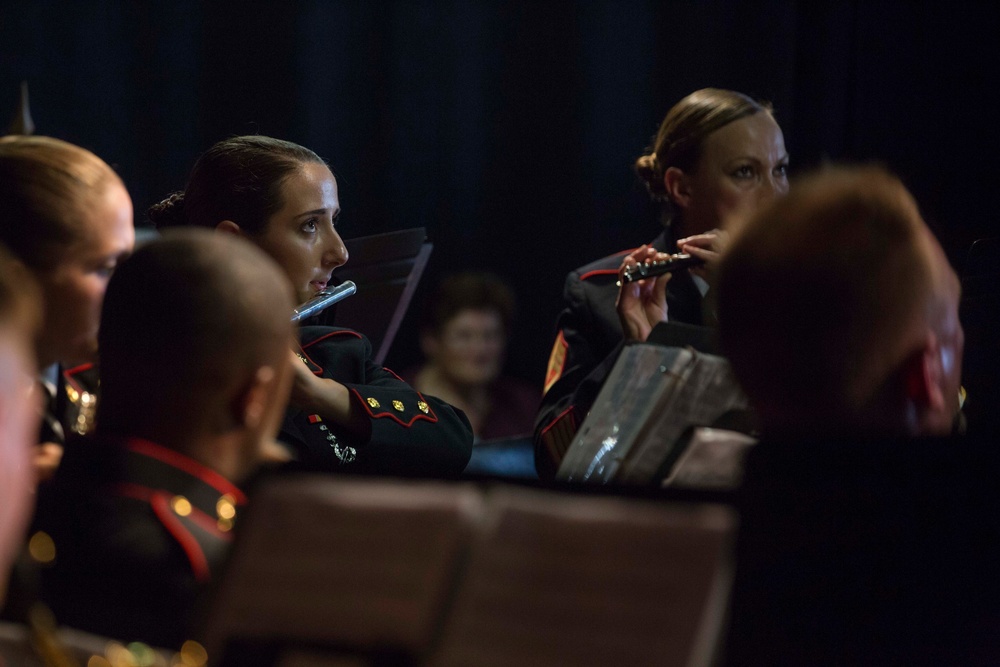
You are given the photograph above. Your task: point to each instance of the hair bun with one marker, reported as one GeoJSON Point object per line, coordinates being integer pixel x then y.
{"type": "Point", "coordinates": [169, 212]}
{"type": "Point", "coordinates": [648, 169]}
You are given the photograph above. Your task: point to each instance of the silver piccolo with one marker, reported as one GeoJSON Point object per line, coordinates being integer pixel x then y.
{"type": "Point", "coordinates": [659, 267]}
{"type": "Point", "coordinates": [324, 299]}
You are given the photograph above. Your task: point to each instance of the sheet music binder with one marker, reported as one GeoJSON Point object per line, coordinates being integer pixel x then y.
{"type": "Point", "coordinates": [387, 268]}
{"type": "Point", "coordinates": [651, 397]}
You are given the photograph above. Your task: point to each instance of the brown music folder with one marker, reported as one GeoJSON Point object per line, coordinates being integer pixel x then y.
{"type": "Point", "coordinates": [652, 397]}
{"type": "Point", "coordinates": [386, 268]}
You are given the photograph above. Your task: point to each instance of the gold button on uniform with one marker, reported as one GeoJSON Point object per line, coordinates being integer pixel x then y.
{"type": "Point", "coordinates": [398, 405]}
{"type": "Point", "coordinates": [181, 505]}
{"type": "Point", "coordinates": [41, 548]}
{"type": "Point", "coordinates": [423, 407]}
{"type": "Point", "coordinates": [372, 402]}
{"type": "Point", "coordinates": [193, 654]}
{"type": "Point", "coordinates": [226, 507]}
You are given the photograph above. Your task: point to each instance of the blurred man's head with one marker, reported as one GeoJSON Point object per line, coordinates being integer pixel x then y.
{"type": "Point", "coordinates": [839, 311]}
{"type": "Point", "coordinates": [195, 343]}
{"type": "Point", "coordinates": [20, 313]}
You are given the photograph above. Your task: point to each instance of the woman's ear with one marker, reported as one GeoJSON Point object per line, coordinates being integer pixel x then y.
{"type": "Point", "coordinates": [229, 227]}
{"type": "Point", "coordinates": [675, 182]}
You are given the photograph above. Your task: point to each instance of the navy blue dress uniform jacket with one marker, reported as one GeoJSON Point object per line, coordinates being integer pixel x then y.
{"type": "Point", "coordinates": [589, 337]}
{"type": "Point", "coordinates": [138, 531]}
{"type": "Point", "coordinates": [409, 433]}
{"type": "Point", "coordinates": [73, 406]}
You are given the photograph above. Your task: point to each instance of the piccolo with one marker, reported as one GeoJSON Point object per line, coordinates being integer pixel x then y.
{"type": "Point", "coordinates": [324, 299]}
{"type": "Point", "coordinates": [659, 267]}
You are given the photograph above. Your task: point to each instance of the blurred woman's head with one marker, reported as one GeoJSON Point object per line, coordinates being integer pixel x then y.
{"type": "Point", "coordinates": [20, 314]}
{"type": "Point", "coordinates": [718, 156]}
{"type": "Point", "coordinates": [67, 217]}
{"type": "Point", "coordinates": [280, 195]}
{"type": "Point", "coordinates": [465, 328]}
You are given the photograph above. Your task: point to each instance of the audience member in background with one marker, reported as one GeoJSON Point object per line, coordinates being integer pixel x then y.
{"type": "Point", "coordinates": [347, 413]}
{"type": "Point", "coordinates": [868, 535]}
{"type": "Point", "coordinates": [464, 337]}
{"type": "Point", "coordinates": [195, 376]}
{"type": "Point", "coordinates": [717, 158]}
{"type": "Point", "coordinates": [67, 217]}
{"type": "Point", "coordinates": [19, 416]}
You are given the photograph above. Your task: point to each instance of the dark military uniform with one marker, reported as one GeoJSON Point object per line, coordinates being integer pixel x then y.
{"type": "Point", "coordinates": [408, 433]}
{"type": "Point", "coordinates": [71, 403]}
{"type": "Point", "coordinates": [588, 339]}
{"type": "Point", "coordinates": [138, 531]}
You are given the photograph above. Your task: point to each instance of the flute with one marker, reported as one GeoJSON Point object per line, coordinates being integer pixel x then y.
{"type": "Point", "coordinates": [324, 299]}
{"type": "Point", "coordinates": [659, 267]}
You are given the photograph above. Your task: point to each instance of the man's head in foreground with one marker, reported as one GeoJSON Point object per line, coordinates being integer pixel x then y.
{"type": "Point", "coordinates": [839, 311]}
{"type": "Point", "coordinates": [194, 339]}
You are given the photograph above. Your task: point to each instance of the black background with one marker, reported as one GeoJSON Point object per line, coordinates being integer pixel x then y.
{"type": "Point", "coordinates": [508, 129]}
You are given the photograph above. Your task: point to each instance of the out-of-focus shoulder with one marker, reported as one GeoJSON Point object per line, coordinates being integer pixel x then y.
{"type": "Point", "coordinates": [606, 266]}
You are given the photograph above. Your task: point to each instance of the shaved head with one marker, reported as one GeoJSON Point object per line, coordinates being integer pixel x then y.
{"type": "Point", "coordinates": [826, 295]}
{"type": "Point", "coordinates": [186, 320]}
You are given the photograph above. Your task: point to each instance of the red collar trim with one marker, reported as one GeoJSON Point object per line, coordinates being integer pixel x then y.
{"type": "Point", "coordinates": [599, 272]}
{"type": "Point", "coordinates": [79, 369]}
{"type": "Point", "coordinates": [606, 272]}
{"type": "Point", "coordinates": [69, 373]}
{"type": "Point", "coordinates": [188, 465]}
{"type": "Point", "coordinates": [340, 332]}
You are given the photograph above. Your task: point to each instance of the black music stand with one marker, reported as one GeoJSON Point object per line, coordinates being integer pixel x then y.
{"type": "Point", "coordinates": [387, 268]}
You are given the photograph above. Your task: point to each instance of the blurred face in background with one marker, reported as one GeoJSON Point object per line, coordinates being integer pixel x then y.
{"type": "Point", "coordinates": [74, 289]}
{"type": "Point", "coordinates": [469, 348]}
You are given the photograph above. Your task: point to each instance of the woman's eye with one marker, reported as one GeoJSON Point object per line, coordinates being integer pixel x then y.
{"type": "Point", "coordinates": [746, 171]}
{"type": "Point", "coordinates": [309, 226]}
{"type": "Point", "coordinates": [105, 270]}
{"type": "Point", "coordinates": [781, 170]}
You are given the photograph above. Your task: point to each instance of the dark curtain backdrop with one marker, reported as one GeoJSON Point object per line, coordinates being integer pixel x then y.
{"type": "Point", "coordinates": [508, 129]}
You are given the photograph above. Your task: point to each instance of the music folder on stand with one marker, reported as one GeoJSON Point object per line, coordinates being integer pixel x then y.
{"type": "Point", "coordinates": [646, 418]}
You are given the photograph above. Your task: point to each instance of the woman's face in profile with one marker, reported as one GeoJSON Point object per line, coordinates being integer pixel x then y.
{"type": "Point", "coordinates": [302, 236]}
{"type": "Point", "coordinates": [469, 349]}
{"type": "Point", "coordinates": [743, 166]}
{"type": "Point", "coordinates": [74, 289]}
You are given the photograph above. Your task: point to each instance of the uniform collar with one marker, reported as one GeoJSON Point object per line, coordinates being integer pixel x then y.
{"type": "Point", "coordinates": [159, 468]}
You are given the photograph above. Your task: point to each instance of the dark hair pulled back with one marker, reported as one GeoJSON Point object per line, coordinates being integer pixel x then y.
{"type": "Point", "coordinates": [237, 179]}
